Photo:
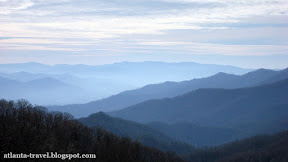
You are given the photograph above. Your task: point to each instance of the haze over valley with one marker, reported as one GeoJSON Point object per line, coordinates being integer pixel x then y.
{"type": "Point", "coordinates": [74, 84]}
{"type": "Point", "coordinates": [144, 80]}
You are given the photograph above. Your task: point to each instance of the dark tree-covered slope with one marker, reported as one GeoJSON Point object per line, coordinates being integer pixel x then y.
{"type": "Point", "coordinates": [28, 129]}
{"type": "Point", "coordinates": [262, 148]}
{"type": "Point", "coordinates": [136, 131]}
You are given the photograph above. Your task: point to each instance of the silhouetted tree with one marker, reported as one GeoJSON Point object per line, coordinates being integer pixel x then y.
{"type": "Point", "coordinates": [26, 128]}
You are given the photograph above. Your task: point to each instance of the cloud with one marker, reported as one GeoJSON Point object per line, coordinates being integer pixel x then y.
{"type": "Point", "coordinates": [209, 48]}
{"type": "Point", "coordinates": [145, 26]}
{"type": "Point", "coordinates": [112, 46]}
{"type": "Point", "coordinates": [101, 20]}
{"type": "Point", "coordinates": [9, 6]}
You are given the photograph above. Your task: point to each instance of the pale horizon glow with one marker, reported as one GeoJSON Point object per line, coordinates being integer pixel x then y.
{"type": "Point", "coordinates": [246, 33]}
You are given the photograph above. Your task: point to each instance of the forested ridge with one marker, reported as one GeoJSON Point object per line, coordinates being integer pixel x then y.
{"type": "Point", "coordinates": [145, 135]}
{"type": "Point", "coordinates": [261, 148]}
{"type": "Point", "coordinates": [31, 129]}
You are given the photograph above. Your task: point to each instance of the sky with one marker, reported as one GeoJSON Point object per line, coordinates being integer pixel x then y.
{"type": "Point", "coordinates": [245, 33]}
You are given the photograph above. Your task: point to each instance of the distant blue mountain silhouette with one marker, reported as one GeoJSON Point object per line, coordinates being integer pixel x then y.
{"type": "Point", "coordinates": [255, 109]}
{"type": "Point", "coordinates": [101, 81]}
{"type": "Point", "coordinates": [173, 89]}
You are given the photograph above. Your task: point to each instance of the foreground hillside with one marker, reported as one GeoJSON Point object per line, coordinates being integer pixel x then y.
{"type": "Point", "coordinates": [262, 148]}
{"type": "Point", "coordinates": [28, 129]}
{"type": "Point", "coordinates": [25, 128]}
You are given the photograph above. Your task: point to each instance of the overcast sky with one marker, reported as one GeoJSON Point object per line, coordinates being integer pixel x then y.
{"type": "Point", "coordinates": [246, 33]}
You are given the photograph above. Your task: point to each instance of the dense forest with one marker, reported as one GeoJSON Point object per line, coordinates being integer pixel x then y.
{"type": "Point", "coordinates": [31, 129]}
{"type": "Point", "coordinates": [144, 134]}
{"type": "Point", "coordinates": [261, 148]}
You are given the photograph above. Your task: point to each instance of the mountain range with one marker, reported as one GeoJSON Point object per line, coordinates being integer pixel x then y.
{"type": "Point", "coordinates": [54, 90]}
{"type": "Point", "coordinates": [173, 89]}
{"type": "Point", "coordinates": [166, 137]}
{"type": "Point", "coordinates": [101, 81]}
{"type": "Point", "coordinates": [87, 84]}
{"type": "Point", "coordinates": [198, 136]}
{"type": "Point", "coordinates": [139, 132]}
{"type": "Point", "coordinates": [259, 109]}
{"type": "Point", "coordinates": [194, 118]}
{"type": "Point", "coordinates": [137, 71]}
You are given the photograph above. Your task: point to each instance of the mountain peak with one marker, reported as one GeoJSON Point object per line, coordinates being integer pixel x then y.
{"type": "Point", "coordinates": [223, 75]}
{"type": "Point", "coordinates": [261, 71]}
